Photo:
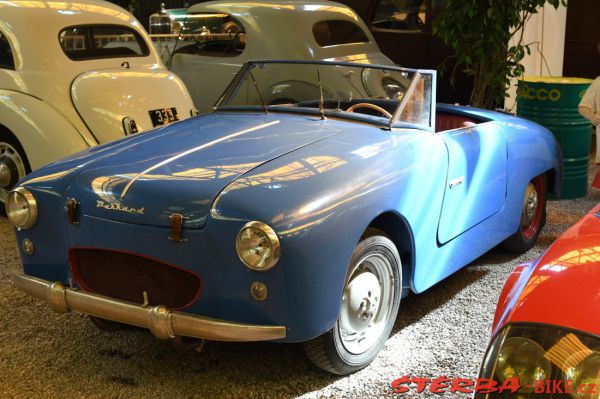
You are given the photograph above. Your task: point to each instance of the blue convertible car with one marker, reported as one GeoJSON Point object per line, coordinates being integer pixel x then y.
{"type": "Point", "coordinates": [312, 199]}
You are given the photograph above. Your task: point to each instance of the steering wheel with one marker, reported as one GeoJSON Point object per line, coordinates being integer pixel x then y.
{"type": "Point", "coordinates": [371, 106]}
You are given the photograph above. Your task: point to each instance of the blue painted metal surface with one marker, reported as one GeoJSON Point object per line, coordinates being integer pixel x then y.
{"type": "Point", "coordinates": [318, 183]}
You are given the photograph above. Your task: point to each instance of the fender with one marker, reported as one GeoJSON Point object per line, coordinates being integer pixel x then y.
{"type": "Point", "coordinates": [510, 293]}
{"type": "Point", "coordinates": [299, 195]}
{"type": "Point", "coordinates": [42, 131]}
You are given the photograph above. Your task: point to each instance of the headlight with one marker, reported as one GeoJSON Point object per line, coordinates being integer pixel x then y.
{"type": "Point", "coordinates": [583, 368]}
{"type": "Point", "coordinates": [257, 246]}
{"type": "Point", "coordinates": [549, 355]}
{"type": "Point", "coordinates": [21, 208]}
{"type": "Point", "coordinates": [393, 89]}
{"type": "Point", "coordinates": [524, 359]}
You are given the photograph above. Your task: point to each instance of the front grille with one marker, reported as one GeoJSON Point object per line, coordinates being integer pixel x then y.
{"type": "Point", "coordinates": [127, 276]}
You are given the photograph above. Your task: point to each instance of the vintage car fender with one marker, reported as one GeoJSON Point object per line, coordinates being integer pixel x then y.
{"type": "Point", "coordinates": [104, 113]}
{"type": "Point", "coordinates": [42, 131]}
{"type": "Point", "coordinates": [532, 150]}
{"type": "Point", "coordinates": [546, 317]}
{"type": "Point", "coordinates": [331, 219]}
{"type": "Point", "coordinates": [569, 266]}
{"type": "Point", "coordinates": [510, 291]}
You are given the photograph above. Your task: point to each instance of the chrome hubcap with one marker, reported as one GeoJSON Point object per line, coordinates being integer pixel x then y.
{"type": "Point", "coordinates": [12, 169]}
{"type": "Point", "coordinates": [363, 297]}
{"type": "Point", "coordinates": [530, 205]}
{"type": "Point", "coordinates": [366, 304]}
{"type": "Point", "coordinates": [4, 175]}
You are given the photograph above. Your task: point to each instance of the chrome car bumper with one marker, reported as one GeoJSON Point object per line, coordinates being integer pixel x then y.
{"type": "Point", "coordinates": [162, 322]}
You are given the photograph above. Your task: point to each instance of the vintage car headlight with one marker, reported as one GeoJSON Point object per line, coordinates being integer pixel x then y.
{"type": "Point", "coordinates": [393, 89]}
{"type": "Point", "coordinates": [21, 208]}
{"type": "Point", "coordinates": [583, 368]}
{"type": "Point", "coordinates": [544, 353]}
{"type": "Point", "coordinates": [524, 359]}
{"type": "Point", "coordinates": [257, 246]}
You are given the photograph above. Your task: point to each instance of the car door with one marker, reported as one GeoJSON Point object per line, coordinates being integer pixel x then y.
{"type": "Point", "coordinates": [477, 176]}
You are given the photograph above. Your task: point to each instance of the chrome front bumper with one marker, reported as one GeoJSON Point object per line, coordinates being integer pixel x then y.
{"type": "Point", "coordinates": [162, 322]}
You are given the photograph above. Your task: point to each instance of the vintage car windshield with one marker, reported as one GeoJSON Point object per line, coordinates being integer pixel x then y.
{"type": "Point", "coordinates": [382, 95]}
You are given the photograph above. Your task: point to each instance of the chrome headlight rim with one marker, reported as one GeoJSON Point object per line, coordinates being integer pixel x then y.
{"type": "Point", "coordinates": [273, 239]}
{"type": "Point", "coordinates": [32, 207]}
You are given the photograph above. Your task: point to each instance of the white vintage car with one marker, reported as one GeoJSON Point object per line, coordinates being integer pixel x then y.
{"type": "Point", "coordinates": [74, 75]}
{"type": "Point", "coordinates": [214, 39]}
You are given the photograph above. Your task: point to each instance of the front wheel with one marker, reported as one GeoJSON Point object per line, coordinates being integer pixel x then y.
{"type": "Point", "coordinates": [370, 303]}
{"type": "Point", "coordinates": [533, 217]}
{"type": "Point", "coordinates": [13, 166]}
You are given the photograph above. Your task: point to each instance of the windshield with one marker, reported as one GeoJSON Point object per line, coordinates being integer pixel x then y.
{"type": "Point", "coordinates": [384, 95]}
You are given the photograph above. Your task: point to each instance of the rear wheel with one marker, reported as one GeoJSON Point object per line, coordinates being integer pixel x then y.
{"type": "Point", "coordinates": [13, 166]}
{"type": "Point", "coordinates": [533, 217]}
{"type": "Point", "coordinates": [370, 303]}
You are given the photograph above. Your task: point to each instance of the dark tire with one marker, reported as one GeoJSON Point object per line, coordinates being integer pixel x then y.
{"type": "Point", "coordinates": [361, 331]}
{"type": "Point", "coordinates": [106, 325]}
{"type": "Point", "coordinates": [533, 217]}
{"type": "Point", "coordinates": [13, 165]}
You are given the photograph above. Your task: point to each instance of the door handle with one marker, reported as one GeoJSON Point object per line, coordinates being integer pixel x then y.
{"type": "Point", "coordinates": [456, 182]}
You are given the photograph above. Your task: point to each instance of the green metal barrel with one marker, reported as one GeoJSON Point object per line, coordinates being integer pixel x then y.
{"type": "Point", "coordinates": [552, 102]}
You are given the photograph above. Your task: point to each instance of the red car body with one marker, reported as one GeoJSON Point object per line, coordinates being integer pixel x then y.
{"type": "Point", "coordinates": [562, 287]}
{"type": "Point", "coordinates": [546, 332]}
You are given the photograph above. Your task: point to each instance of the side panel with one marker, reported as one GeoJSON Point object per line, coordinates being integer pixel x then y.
{"type": "Point", "coordinates": [476, 186]}
{"type": "Point", "coordinates": [44, 134]}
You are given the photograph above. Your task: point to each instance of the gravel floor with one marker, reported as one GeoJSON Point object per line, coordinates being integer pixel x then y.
{"type": "Point", "coordinates": [442, 332]}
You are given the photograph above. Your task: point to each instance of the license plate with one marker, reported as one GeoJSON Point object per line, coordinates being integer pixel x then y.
{"type": "Point", "coordinates": [163, 116]}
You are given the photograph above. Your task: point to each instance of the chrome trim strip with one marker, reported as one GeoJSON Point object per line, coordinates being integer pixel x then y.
{"type": "Point", "coordinates": [162, 322]}
{"type": "Point", "coordinates": [413, 85]}
{"type": "Point", "coordinates": [192, 150]}
{"type": "Point", "coordinates": [33, 208]}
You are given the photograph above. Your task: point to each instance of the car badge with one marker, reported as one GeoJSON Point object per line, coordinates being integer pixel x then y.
{"type": "Point", "coordinates": [129, 126]}
{"type": "Point", "coordinates": [118, 207]}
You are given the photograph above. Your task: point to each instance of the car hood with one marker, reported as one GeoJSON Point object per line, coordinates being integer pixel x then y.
{"type": "Point", "coordinates": [183, 167]}
{"type": "Point", "coordinates": [103, 98]}
{"type": "Point", "coordinates": [564, 286]}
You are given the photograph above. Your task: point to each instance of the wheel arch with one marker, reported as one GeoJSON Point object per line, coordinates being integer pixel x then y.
{"type": "Point", "coordinates": [43, 133]}
{"type": "Point", "coordinates": [553, 182]}
{"type": "Point", "coordinates": [5, 130]}
{"type": "Point", "coordinates": [397, 228]}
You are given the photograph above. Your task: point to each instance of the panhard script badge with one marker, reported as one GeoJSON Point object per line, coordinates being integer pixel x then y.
{"type": "Point", "coordinates": [119, 208]}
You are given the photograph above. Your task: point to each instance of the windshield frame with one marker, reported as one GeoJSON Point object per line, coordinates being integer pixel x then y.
{"type": "Point", "coordinates": [393, 123]}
